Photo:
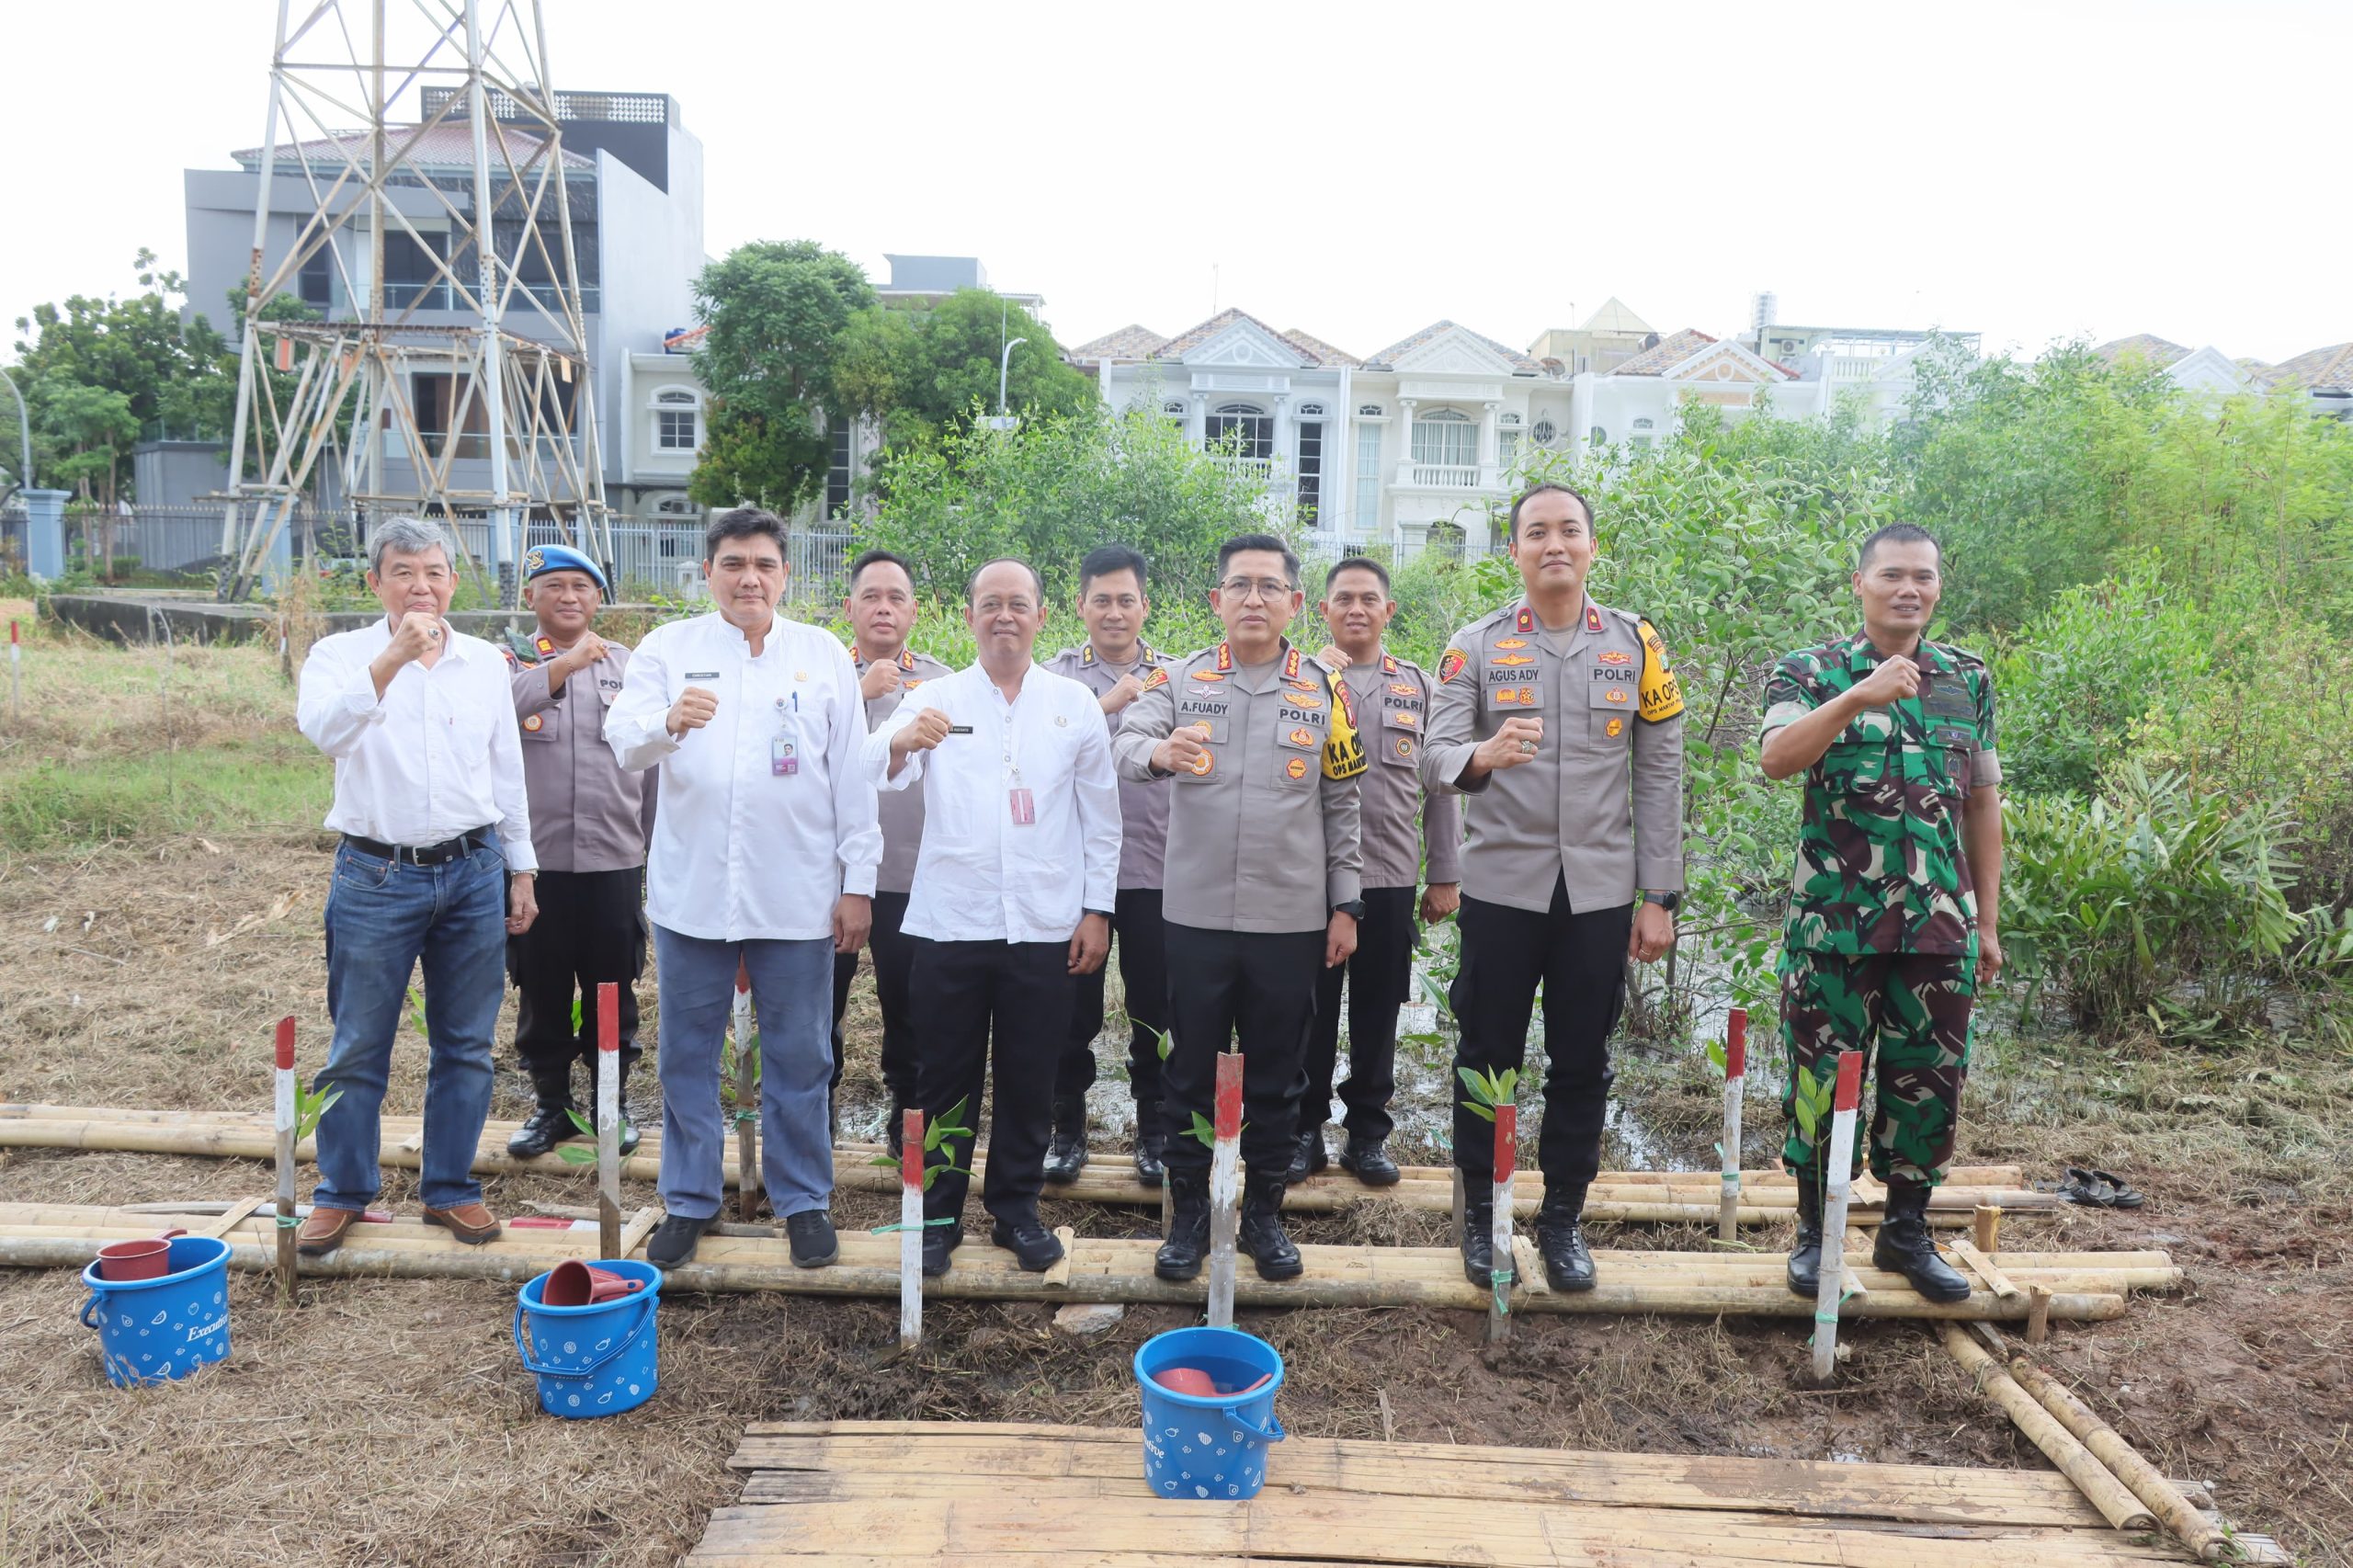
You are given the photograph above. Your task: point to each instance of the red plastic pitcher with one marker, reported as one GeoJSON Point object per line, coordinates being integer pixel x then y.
{"type": "Point", "coordinates": [576, 1284]}
{"type": "Point", "coordinates": [147, 1259]}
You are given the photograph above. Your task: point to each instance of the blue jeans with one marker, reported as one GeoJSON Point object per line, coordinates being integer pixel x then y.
{"type": "Point", "coordinates": [383, 916]}
{"type": "Point", "coordinates": [792, 993]}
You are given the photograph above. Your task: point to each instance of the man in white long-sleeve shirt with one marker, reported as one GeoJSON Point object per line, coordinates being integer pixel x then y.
{"type": "Point", "coordinates": [764, 853]}
{"type": "Point", "coordinates": [1013, 894]}
{"type": "Point", "coordinates": [429, 799]}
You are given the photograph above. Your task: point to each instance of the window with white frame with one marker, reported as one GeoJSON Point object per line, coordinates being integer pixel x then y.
{"type": "Point", "coordinates": [1447, 437]}
{"type": "Point", "coordinates": [1545, 432]}
{"type": "Point", "coordinates": [1368, 478]}
{"type": "Point", "coordinates": [675, 422]}
{"type": "Point", "coordinates": [1310, 500]}
{"type": "Point", "coordinates": [1369, 411]}
{"type": "Point", "coordinates": [1641, 439]}
{"type": "Point", "coordinates": [1249, 429]}
{"type": "Point", "coordinates": [1508, 443]}
{"type": "Point", "coordinates": [838, 469]}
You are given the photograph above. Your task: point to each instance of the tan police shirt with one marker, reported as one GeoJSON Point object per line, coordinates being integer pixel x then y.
{"type": "Point", "coordinates": [1393, 704]}
{"type": "Point", "coordinates": [900, 812]}
{"type": "Point", "coordinates": [587, 814]}
{"type": "Point", "coordinates": [1143, 806]}
{"type": "Point", "coordinates": [1263, 832]}
{"type": "Point", "coordinates": [1600, 803]}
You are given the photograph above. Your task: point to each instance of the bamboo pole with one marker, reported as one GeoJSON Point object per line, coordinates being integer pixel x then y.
{"type": "Point", "coordinates": [1225, 1157]}
{"type": "Point", "coordinates": [747, 1165]}
{"type": "Point", "coordinates": [1987, 1221]}
{"type": "Point", "coordinates": [1735, 1081]}
{"type": "Point", "coordinates": [1831, 1282]}
{"type": "Point", "coordinates": [1986, 1268]}
{"type": "Point", "coordinates": [284, 1151]}
{"type": "Point", "coordinates": [2100, 1487]}
{"type": "Point", "coordinates": [2106, 1445]}
{"type": "Point", "coordinates": [1500, 1262]}
{"type": "Point", "coordinates": [911, 1154]}
{"type": "Point", "coordinates": [2037, 1313]}
{"type": "Point", "coordinates": [609, 1120]}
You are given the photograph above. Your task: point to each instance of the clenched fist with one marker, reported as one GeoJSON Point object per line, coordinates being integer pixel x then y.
{"type": "Point", "coordinates": [1509, 746]}
{"type": "Point", "coordinates": [1126, 690]}
{"type": "Point", "coordinates": [583, 653]}
{"type": "Point", "coordinates": [692, 710]}
{"type": "Point", "coordinates": [1187, 751]}
{"type": "Point", "coordinates": [416, 636]}
{"type": "Point", "coordinates": [923, 732]}
{"type": "Point", "coordinates": [881, 679]}
{"type": "Point", "coordinates": [1332, 656]}
{"type": "Point", "coordinates": [1895, 680]}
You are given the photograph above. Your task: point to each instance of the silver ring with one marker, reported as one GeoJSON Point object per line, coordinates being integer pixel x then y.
{"type": "Point", "coordinates": [1528, 747]}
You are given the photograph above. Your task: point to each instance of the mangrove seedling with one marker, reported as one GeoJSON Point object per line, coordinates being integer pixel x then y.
{"type": "Point", "coordinates": [949, 1125]}
{"type": "Point", "coordinates": [1488, 1090]}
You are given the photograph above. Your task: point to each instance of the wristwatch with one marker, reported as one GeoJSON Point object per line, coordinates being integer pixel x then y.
{"type": "Point", "coordinates": [1670, 902]}
{"type": "Point", "coordinates": [1353, 909]}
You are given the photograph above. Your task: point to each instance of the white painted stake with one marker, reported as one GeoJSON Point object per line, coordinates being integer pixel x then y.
{"type": "Point", "coordinates": [911, 1229]}
{"type": "Point", "coordinates": [748, 1163]}
{"type": "Point", "coordinates": [1836, 1184]}
{"type": "Point", "coordinates": [285, 1128]}
{"type": "Point", "coordinates": [1500, 1267]}
{"type": "Point", "coordinates": [609, 1120]}
{"type": "Point", "coordinates": [1225, 1194]}
{"type": "Point", "coordinates": [1735, 1081]}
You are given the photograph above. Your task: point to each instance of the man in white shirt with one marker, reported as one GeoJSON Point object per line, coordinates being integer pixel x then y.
{"type": "Point", "coordinates": [429, 799]}
{"type": "Point", "coordinates": [1013, 894]}
{"type": "Point", "coordinates": [764, 853]}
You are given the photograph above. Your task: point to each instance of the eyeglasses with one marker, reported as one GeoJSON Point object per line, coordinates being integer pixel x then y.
{"type": "Point", "coordinates": [1244, 589]}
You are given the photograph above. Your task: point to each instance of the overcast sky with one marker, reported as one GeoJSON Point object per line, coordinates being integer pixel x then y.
{"type": "Point", "coordinates": [2031, 172]}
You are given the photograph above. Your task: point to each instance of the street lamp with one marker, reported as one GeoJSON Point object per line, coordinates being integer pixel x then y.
{"type": "Point", "coordinates": [25, 431]}
{"type": "Point", "coordinates": [1005, 420]}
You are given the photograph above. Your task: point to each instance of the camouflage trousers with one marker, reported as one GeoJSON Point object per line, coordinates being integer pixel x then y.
{"type": "Point", "coordinates": [1908, 1013]}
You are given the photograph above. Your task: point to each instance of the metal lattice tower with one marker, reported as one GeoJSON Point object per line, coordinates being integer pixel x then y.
{"type": "Point", "coordinates": [459, 148]}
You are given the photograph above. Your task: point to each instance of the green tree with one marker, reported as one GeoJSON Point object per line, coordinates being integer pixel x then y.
{"type": "Point", "coordinates": [921, 373]}
{"type": "Point", "coordinates": [777, 311]}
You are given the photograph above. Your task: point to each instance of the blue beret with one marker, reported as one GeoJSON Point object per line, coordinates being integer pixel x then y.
{"type": "Point", "coordinates": [542, 559]}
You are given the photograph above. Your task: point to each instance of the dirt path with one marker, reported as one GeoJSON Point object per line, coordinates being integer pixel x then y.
{"type": "Point", "coordinates": [388, 1422]}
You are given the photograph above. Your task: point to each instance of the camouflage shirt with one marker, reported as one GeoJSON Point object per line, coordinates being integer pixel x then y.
{"type": "Point", "coordinates": [1880, 867]}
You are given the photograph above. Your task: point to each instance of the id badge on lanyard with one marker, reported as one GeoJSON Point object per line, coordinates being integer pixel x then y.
{"type": "Point", "coordinates": [1024, 805]}
{"type": "Point", "coordinates": [784, 751]}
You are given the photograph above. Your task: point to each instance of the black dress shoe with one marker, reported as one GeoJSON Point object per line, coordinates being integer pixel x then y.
{"type": "Point", "coordinates": [1180, 1255]}
{"type": "Point", "coordinates": [674, 1241]}
{"type": "Point", "coordinates": [1804, 1272]}
{"type": "Point", "coordinates": [1308, 1158]}
{"type": "Point", "coordinates": [1261, 1233]}
{"type": "Point", "coordinates": [1149, 1168]}
{"type": "Point", "coordinates": [1904, 1246]}
{"type": "Point", "coordinates": [1479, 1246]}
{"type": "Point", "coordinates": [811, 1236]}
{"type": "Point", "coordinates": [1067, 1153]}
{"type": "Point", "coordinates": [1374, 1168]}
{"type": "Point", "coordinates": [938, 1241]}
{"type": "Point", "coordinates": [1033, 1246]}
{"type": "Point", "coordinates": [550, 1125]}
{"type": "Point", "coordinates": [1568, 1263]}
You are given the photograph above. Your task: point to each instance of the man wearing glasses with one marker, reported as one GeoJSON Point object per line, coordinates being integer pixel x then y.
{"type": "Point", "coordinates": [1259, 742]}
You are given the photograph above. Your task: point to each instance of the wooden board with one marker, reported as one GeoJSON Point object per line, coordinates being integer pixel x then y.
{"type": "Point", "coordinates": [999, 1496]}
{"type": "Point", "coordinates": [1629, 1195]}
{"type": "Point", "coordinates": [2085, 1286]}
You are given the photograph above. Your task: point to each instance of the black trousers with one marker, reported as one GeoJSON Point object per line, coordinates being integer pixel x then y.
{"type": "Point", "coordinates": [1143, 972]}
{"type": "Point", "coordinates": [1005, 1000]}
{"type": "Point", "coordinates": [1580, 960]}
{"type": "Point", "coordinates": [591, 929]}
{"type": "Point", "coordinates": [1254, 990]}
{"type": "Point", "coordinates": [894, 957]}
{"type": "Point", "coordinates": [1378, 974]}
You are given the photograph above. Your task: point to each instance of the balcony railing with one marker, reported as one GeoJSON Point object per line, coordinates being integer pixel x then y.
{"type": "Point", "coordinates": [1442, 476]}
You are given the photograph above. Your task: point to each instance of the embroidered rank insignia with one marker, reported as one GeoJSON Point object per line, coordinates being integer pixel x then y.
{"type": "Point", "coordinates": [546, 645]}
{"type": "Point", "coordinates": [1388, 665]}
{"type": "Point", "coordinates": [1301, 699]}
{"type": "Point", "coordinates": [1296, 767]}
{"type": "Point", "coordinates": [1086, 654]}
{"type": "Point", "coordinates": [1156, 680]}
{"type": "Point", "coordinates": [1291, 665]}
{"type": "Point", "coordinates": [1405, 689]}
{"type": "Point", "coordinates": [1525, 621]}
{"type": "Point", "coordinates": [1207, 674]}
{"type": "Point", "coordinates": [1405, 720]}
{"type": "Point", "coordinates": [1201, 765]}
{"type": "Point", "coordinates": [1405, 747]}
{"type": "Point", "coordinates": [1453, 663]}
{"type": "Point", "coordinates": [1613, 656]}
{"type": "Point", "coordinates": [1513, 643]}
{"type": "Point", "coordinates": [535, 723]}
{"type": "Point", "coordinates": [1515, 659]}
{"type": "Point", "coordinates": [1224, 656]}
{"type": "Point", "coordinates": [1592, 619]}
{"type": "Point", "coordinates": [909, 685]}
{"type": "Point", "coordinates": [1615, 694]}
{"type": "Point", "coordinates": [907, 658]}
{"type": "Point", "coordinates": [1306, 686]}
{"type": "Point", "coordinates": [1302, 737]}
{"type": "Point", "coordinates": [1615, 728]}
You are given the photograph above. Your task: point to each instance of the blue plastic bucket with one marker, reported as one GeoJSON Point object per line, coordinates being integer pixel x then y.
{"type": "Point", "coordinates": [1208, 1447]}
{"type": "Point", "coordinates": [592, 1360]}
{"type": "Point", "coordinates": [150, 1330]}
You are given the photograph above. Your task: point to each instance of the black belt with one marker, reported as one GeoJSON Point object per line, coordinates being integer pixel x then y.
{"type": "Point", "coordinates": [439, 854]}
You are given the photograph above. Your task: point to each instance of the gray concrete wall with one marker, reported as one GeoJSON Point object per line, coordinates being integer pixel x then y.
{"type": "Point", "coordinates": [174, 473]}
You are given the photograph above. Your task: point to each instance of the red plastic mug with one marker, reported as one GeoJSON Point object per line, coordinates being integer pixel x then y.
{"type": "Point", "coordinates": [576, 1284]}
{"type": "Point", "coordinates": [148, 1260]}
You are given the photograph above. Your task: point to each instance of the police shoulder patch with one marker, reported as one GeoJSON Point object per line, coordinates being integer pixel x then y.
{"type": "Point", "coordinates": [1157, 678]}
{"type": "Point", "coordinates": [1453, 663]}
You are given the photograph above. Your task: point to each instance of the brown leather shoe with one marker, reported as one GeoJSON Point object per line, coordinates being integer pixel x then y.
{"type": "Point", "coordinates": [322, 1230]}
{"type": "Point", "coordinates": [472, 1223]}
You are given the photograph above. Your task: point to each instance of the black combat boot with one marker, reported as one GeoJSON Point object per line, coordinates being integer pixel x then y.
{"type": "Point", "coordinates": [1180, 1255]}
{"type": "Point", "coordinates": [550, 1125]}
{"type": "Point", "coordinates": [1066, 1154]}
{"type": "Point", "coordinates": [1904, 1246]}
{"type": "Point", "coordinates": [1364, 1156]}
{"type": "Point", "coordinates": [1262, 1229]}
{"type": "Point", "coordinates": [1479, 1245]}
{"type": "Point", "coordinates": [1805, 1252]}
{"type": "Point", "coordinates": [1151, 1146]}
{"type": "Point", "coordinates": [1308, 1158]}
{"type": "Point", "coordinates": [1560, 1236]}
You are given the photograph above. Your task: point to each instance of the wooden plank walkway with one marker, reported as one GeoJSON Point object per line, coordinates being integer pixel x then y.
{"type": "Point", "coordinates": [1628, 1195]}
{"type": "Point", "coordinates": [882, 1495]}
{"type": "Point", "coordinates": [2085, 1286]}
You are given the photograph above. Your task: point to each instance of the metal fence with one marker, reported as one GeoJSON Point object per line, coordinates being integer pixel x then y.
{"type": "Point", "coordinates": [665, 557]}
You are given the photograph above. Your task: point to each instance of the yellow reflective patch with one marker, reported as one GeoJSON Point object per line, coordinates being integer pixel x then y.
{"type": "Point", "coordinates": [1343, 751]}
{"type": "Point", "coordinates": [1662, 693]}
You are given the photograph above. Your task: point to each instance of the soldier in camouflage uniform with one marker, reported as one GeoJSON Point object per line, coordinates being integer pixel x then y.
{"type": "Point", "coordinates": [1893, 910]}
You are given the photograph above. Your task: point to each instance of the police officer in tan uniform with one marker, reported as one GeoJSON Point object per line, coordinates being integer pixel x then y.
{"type": "Point", "coordinates": [1562, 721]}
{"type": "Point", "coordinates": [1392, 696]}
{"type": "Point", "coordinates": [590, 821]}
{"type": "Point", "coordinates": [1258, 741]}
{"type": "Point", "coordinates": [1116, 664]}
{"type": "Point", "coordinates": [881, 607]}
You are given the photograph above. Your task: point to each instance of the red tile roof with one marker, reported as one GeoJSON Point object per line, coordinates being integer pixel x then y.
{"type": "Point", "coordinates": [1130, 342]}
{"type": "Point", "coordinates": [1193, 337]}
{"type": "Point", "coordinates": [449, 144]}
{"type": "Point", "coordinates": [2158, 351]}
{"type": "Point", "coordinates": [2323, 369]}
{"type": "Point", "coordinates": [1667, 354]}
{"type": "Point", "coordinates": [1387, 357]}
{"type": "Point", "coordinates": [1324, 352]}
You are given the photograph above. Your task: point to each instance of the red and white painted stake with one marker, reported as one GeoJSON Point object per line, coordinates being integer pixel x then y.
{"type": "Point", "coordinates": [1836, 1178]}
{"type": "Point", "coordinates": [1499, 1235]}
{"type": "Point", "coordinates": [1735, 1080]}
{"type": "Point", "coordinates": [747, 1161]}
{"type": "Point", "coordinates": [910, 1229]}
{"type": "Point", "coordinates": [285, 1125]}
{"type": "Point", "coordinates": [609, 1120]}
{"type": "Point", "coordinates": [1226, 1188]}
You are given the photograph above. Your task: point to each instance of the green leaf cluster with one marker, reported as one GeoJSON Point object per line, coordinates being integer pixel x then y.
{"type": "Point", "coordinates": [1488, 1090]}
